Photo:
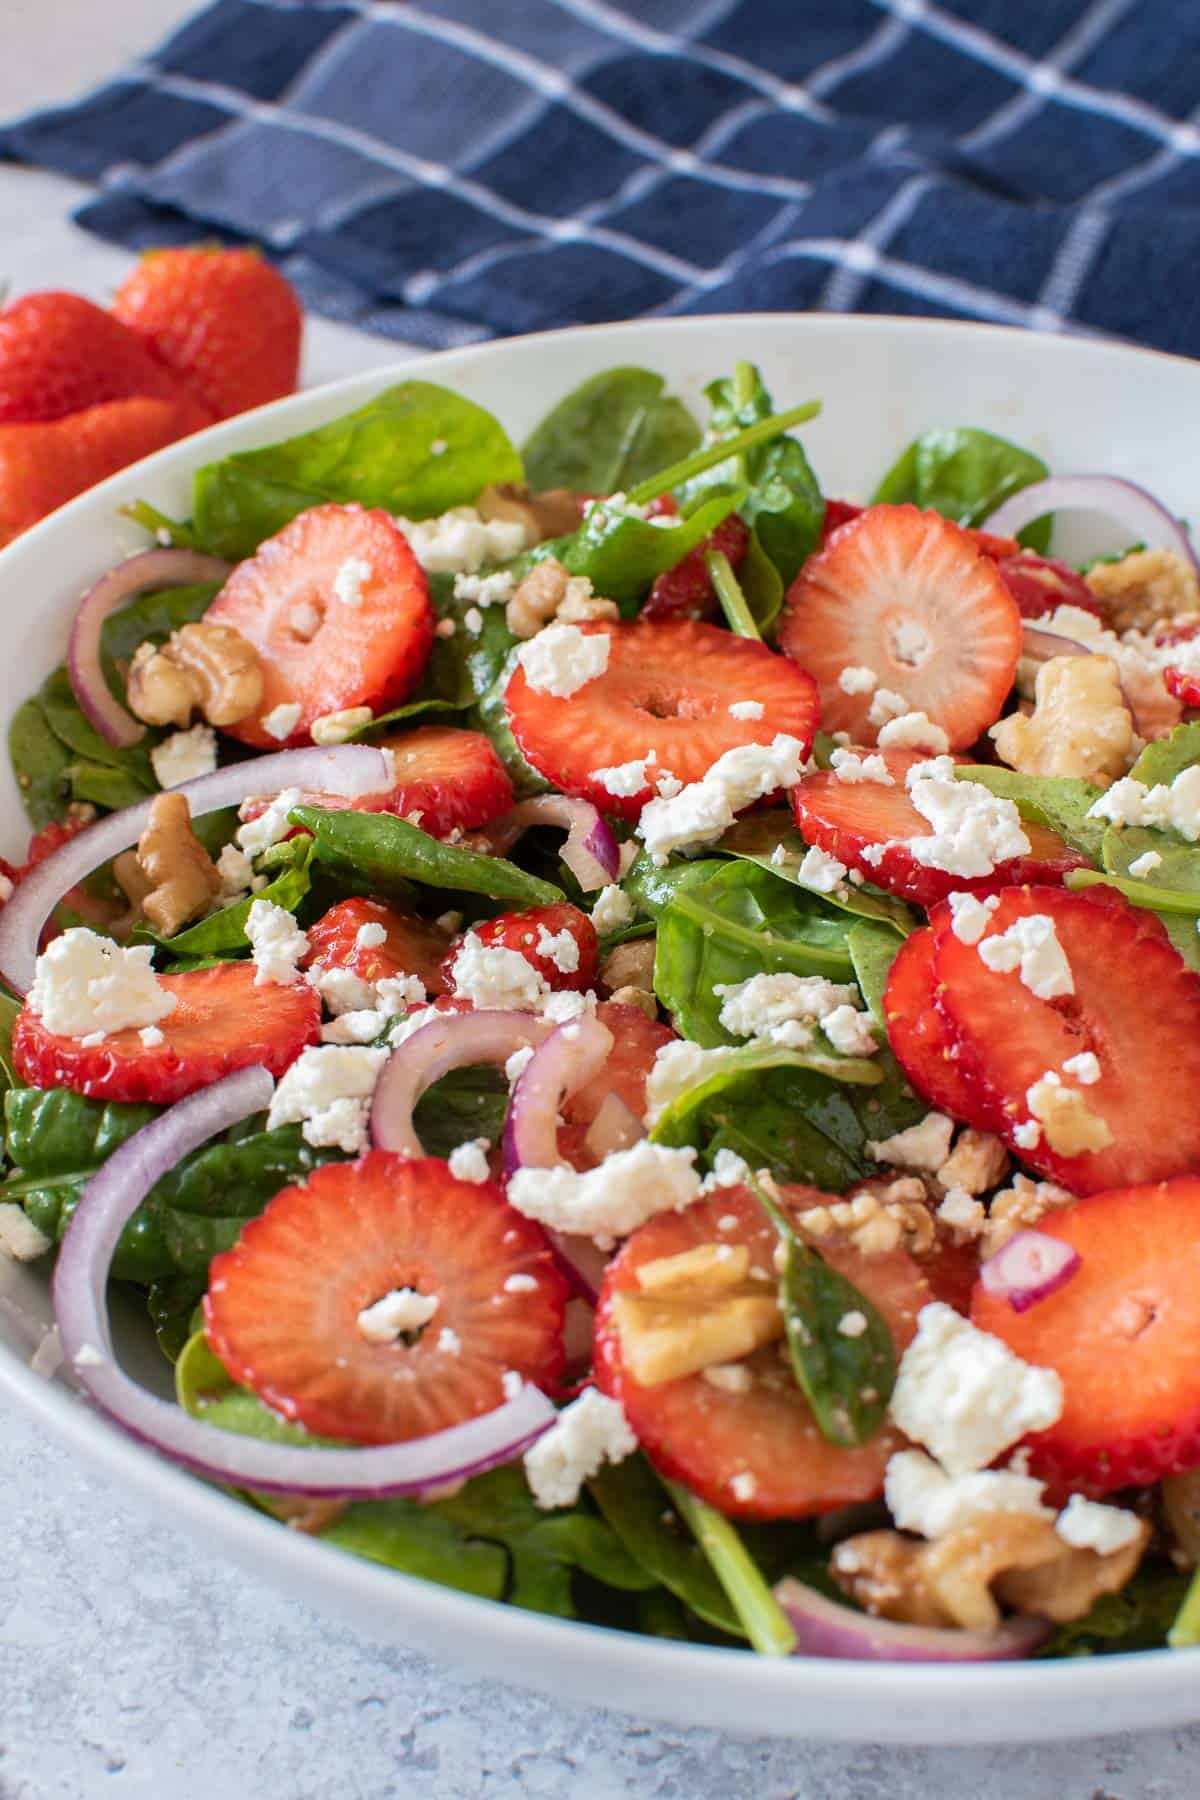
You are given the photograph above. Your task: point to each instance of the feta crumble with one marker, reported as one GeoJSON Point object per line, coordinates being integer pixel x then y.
{"type": "Point", "coordinates": [277, 943]}
{"type": "Point", "coordinates": [272, 824]}
{"type": "Point", "coordinates": [850, 767]}
{"type": "Point", "coordinates": [151, 1036]}
{"type": "Point", "coordinates": [1031, 945]}
{"type": "Point", "coordinates": [924, 1147]}
{"type": "Point", "coordinates": [743, 1486]}
{"type": "Point", "coordinates": [403, 1310]}
{"type": "Point", "coordinates": [370, 935]}
{"type": "Point", "coordinates": [85, 984]}
{"type": "Point", "coordinates": [184, 756]}
{"type": "Point", "coordinates": [623, 780]}
{"type": "Point", "coordinates": [823, 873]}
{"type": "Point", "coordinates": [559, 948]}
{"type": "Point", "coordinates": [729, 1170]}
{"type": "Point", "coordinates": [611, 1200]}
{"type": "Point", "coordinates": [517, 1064]}
{"type": "Point", "coordinates": [1088, 1525]}
{"type": "Point", "coordinates": [970, 916]}
{"type": "Point", "coordinates": [886, 705]}
{"type": "Point", "coordinates": [849, 1031]}
{"type": "Point", "coordinates": [459, 542]}
{"type": "Point", "coordinates": [973, 829]}
{"type": "Point", "coordinates": [341, 990]}
{"type": "Point", "coordinates": [282, 720]}
{"type": "Point", "coordinates": [327, 1092]}
{"type": "Point", "coordinates": [852, 1324]}
{"type": "Point", "coordinates": [561, 659]}
{"type": "Point", "coordinates": [20, 1239]}
{"type": "Point", "coordinates": [757, 1007]}
{"type": "Point", "coordinates": [1145, 864]}
{"type": "Point", "coordinates": [1085, 1068]}
{"type": "Point", "coordinates": [746, 709]}
{"type": "Point", "coordinates": [236, 871]}
{"type": "Point", "coordinates": [469, 1161]}
{"type": "Point", "coordinates": [485, 590]}
{"type": "Point", "coordinates": [492, 976]}
{"type": "Point", "coordinates": [704, 809]}
{"type": "Point", "coordinates": [857, 679]}
{"type": "Point", "coordinates": [612, 910]}
{"type": "Point", "coordinates": [921, 1497]}
{"type": "Point", "coordinates": [913, 731]}
{"type": "Point", "coordinates": [678, 1067]}
{"type": "Point", "coordinates": [589, 1432]}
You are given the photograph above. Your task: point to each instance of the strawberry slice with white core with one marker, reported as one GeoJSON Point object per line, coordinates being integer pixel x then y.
{"type": "Point", "coordinates": [907, 595]}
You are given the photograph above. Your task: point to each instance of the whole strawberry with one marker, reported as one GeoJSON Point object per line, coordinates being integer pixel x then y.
{"type": "Point", "coordinates": [44, 465]}
{"type": "Point", "coordinates": [60, 354]}
{"type": "Point", "coordinates": [224, 321]}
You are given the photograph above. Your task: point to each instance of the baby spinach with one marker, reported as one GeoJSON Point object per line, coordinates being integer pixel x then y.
{"type": "Point", "coordinates": [742, 922]}
{"type": "Point", "coordinates": [609, 433]}
{"type": "Point", "coordinates": [1161, 761]}
{"type": "Point", "coordinates": [760, 837]}
{"type": "Point", "coordinates": [1146, 894]}
{"type": "Point", "coordinates": [416, 449]}
{"type": "Point", "coordinates": [622, 555]}
{"type": "Point", "coordinates": [490, 716]}
{"type": "Point", "coordinates": [1178, 866]}
{"type": "Point", "coordinates": [420, 1540]}
{"type": "Point", "coordinates": [387, 854]}
{"type": "Point", "coordinates": [1057, 802]}
{"type": "Point", "coordinates": [965, 474]}
{"type": "Point", "coordinates": [1138, 1618]}
{"type": "Point", "coordinates": [463, 667]}
{"type": "Point", "coordinates": [9, 1013]}
{"type": "Point", "coordinates": [206, 1391]}
{"type": "Point", "coordinates": [631, 1498]}
{"type": "Point", "coordinates": [847, 1379]}
{"type": "Point", "coordinates": [40, 763]}
{"type": "Point", "coordinates": [171, 1302]}
{"type": "Point", "coordinates": [873, 949]}
{"type": "Point", "coordinates": [150, 618]}
{"type": "Point", "coordinates": [782, 500]}
{"type": "Point", "coordinates": [466, 1104]}
{"type": "Point", "coordinates": [653, 888]}
{"type": "Point", "coordinates": [204, 1202]}
{"type": "Point", "coordinates": [71, 726]}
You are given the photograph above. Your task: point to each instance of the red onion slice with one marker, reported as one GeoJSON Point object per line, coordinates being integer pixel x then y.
{"type": "Point", "coordinates": [590, 852]}
{"type": "Point", "coordinates": [1146, 519]}
{"type": "Point", "coordinates": [1031, 1266]}
{"type": "Point", "coordinates": [582, 1262]}
{"type": "Point", "coordinates": [570, 1057]}
{"type": "Point", "coordinates": [146, 569]}
{"type": "Point", "coordinates": [615, 1127]}
{"type": "Point", "coordinates": [1039, 645]}
{"type": "Point", "coordinates": [449, 1041]}
{"type": "Point", "coordinates": [80, 1303]}
{"type": "Point", "coordinates": [825, 1628]}
{"type": "Point", "coordinates": [350, 769]}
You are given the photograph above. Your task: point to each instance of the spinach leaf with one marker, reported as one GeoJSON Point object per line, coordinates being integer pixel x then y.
{"type": "Point", "coordinates": [462, 668]}
{"type": "Point", "coordinates": [9, 1013]}
{"type": "Point", "coordinates": [171, 1302]}
{"type": "Point", "coordinates": [1179, 863]}
{"type": "Point", "coordinates": [632, 1500]}
{"type": "Point", "coordinates": [1165, 758]}
{"type": "Point", "coordinates": [388, 853]}
{"type": "Point", "coordinates": [609, 433]}
{"type": "Point", "coordinates": [205, 1390]}
{"type": "Point", "coordinates": [224, 933]}
{"type": "Point", "coordinates": [203, 1204]}
{"type": "Point", "coordinates": [873, 949]}
{"type": "Point", "coordinates": [965, 474]}
{"type": "Point", "coordinates": [761, 837]}
{"type": "Point", "coordinates": [71, 727]}
{"type": "Point", "coordinates": [743, 922]}
{"type": "Point", "coordinates": [417, 712]}
{"type": "Point", "coordinates": [847, 1380]}
{"type": "Point", "coordinates": [380, 455]}
{"type": "Point", "coordinates": [783, 502]}
{"type": "Point", "coordinates": [654, 888]}
{"type": "Point", "coordinates": [800, 1115]}
{"type": "Point", "coordinates": [761, 584]}
{"type": "Point", "coordinates": [1138, 1618]}
{"type": "Point", "coordinates": [420, 1540]}
{"type": "Point", "coordinates": [40, 762]}
{"type": "Point", "coordinates": [1056, 802]}
{"type": "Point", "coordinates": [151, 617]}
{"type": "Point", "coordinates": [466, 1104]}
{"type": "Point", "coordinates": [1183, 934]}
{"type": "Point", "coordinates": [1162, 900]}
{"type": "Point", "coordinates": [490, 717]}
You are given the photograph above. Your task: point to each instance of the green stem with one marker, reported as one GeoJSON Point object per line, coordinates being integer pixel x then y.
{"type": "Point", "coordinates": [721, 451]}
{"type": "Point", "coordinates": [766, 1623]}
{"type": "Point", "coordinates": [1185, 1632]}
{"type": "Point", "coordinates": [1158, 899]}
{"type": "Point", "coordinates": [729, 593]}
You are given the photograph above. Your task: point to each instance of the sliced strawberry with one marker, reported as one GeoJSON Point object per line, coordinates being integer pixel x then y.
{"type": "Point", "coordinates": [282, 1306]}
{"type": "Point", "coordinates": [637, 1040]}
{"type": "Point", "coordinates": [446, 780]}
{"type": "Point", "coordinates": [988, 544]}
{"type": "Point", "coordinates": [1136, 1006]}
{"type": "Point", "coordinates": [854, 820]}
{"type": "Point", "coordinates": [686, 591]}
{"type": "Point", "coordinates": [666, 694]}
{"type": "Point", "coordinates": [221, 1022]}
{"type": "Point", "coordinates": [837, 514]}
{"type": "Point", "coordinates": [320, 650]}
{"type": "Point", "coordinates": [411, 946]}
{"type": "Point", "coordinates": [1183, 683]}
{"type": "Point", "coordinates": [708, 1437]}
{"type": "Point", "coordinates": [1122, 1334]}
{"type": "Point", "coordinates": [921, 1040]}
{"type": "Point", "coordinates": [907, 595]}
{"type": "Point", "coordinates": [537, 934]}
{"type": "Point", "coordinates": [1040, 584]}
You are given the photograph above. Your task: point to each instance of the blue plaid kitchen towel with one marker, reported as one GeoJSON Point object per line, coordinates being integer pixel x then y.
{"type": "Point", "coordinates": [451, 170]}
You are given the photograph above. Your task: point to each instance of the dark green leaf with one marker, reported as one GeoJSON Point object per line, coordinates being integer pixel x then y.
{"type": "Point", "coordinates": [9, 1012]}
{"type": "Point", "coordinates": [157, 523]}
{"type": "Point", "coordinates": [654, 888]}
{"type": "Point", "coordinates": [419, 1540]}
{"type": "Point", "coordinates": [205, 1390]}
{"type": "Point", "coordinates": [1161, 761]}
{"type": "Point", "coordinates": [151, 617]}
{"type": "Point", "coordinates": [1056, 802]}
{"type": "Point", "coordinates": [466, 1104]}
{"type": "Point", "coordinates": [462, 668]}
{"type": "Point", "coordinates": [873, 949]}
{"type": "Point", "coordinates": [965, 474]}
{"type": "Point", "coordinates": [417, 712]}
{"type": "Point", "coordinates": [760, 837]}
{"type": "Point", "coordinates": [634, 1503]}
{"type": "Point", "coordinates": [171, 1303]}
{"type": "Point", "coordinates": [1178, 867]}
{"type": "Point", "coordinates": [380, 455]}
{"type": "Point", "coordinates": [847, 1379]}
{"type": "Point", "coordinates": [40, 763]}
{"type": "Point", "coordinates": [490, 717]}
{"type": "Point", "coordinates": [761, 585]}
{"type": "Point", "coordinates": [203, 1204]}
{"type": "Point", "coordinates": [609, 433]}
{"type": "Point", "coordinates": [224, 933]}
{"type": "Point", "coordinates": [71, 727]}
{"type": "Point", "coordinates": [1138, 1618]}
{"type": "Point", "coordinates": [388, 853]}
{"type": "Point", "coordinates": [112, 789]}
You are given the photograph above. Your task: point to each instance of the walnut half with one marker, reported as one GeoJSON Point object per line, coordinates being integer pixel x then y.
{"type": "Point", "coordinates": [172, 878]}
{"type": "Point", "coordinates": [1080, 725]}
{"type": "Point", "coordinates": [209, 669]}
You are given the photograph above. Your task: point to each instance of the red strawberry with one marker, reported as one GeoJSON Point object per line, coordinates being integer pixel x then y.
{"type": "Point", "coordinates": [225, 321]}
{"type": "Point", "coordinates": [1183, 685]}
{"type": "Point", "coordinates": [221, 1022]}
{"type": "Point", "coordinates": [411, 946]}
{"type": "Point", "coordinates": [667, 691]}
{"type": "Point", "coordinates": [60, 354]}
{"type": "Point", "coordinates": [446, 780]}
{"type": "Point", "coordinates": [1122, 1334]}
{"type": "Point", "coordinates": [686, 591]}
{"type": "Point", "coordinates": [851, 820]}
{"type": "Point", "coordinates": [1135, 1006]}
{"type": "Point", "coordinates": [560, 964]}
{"type": "Point", "coordinates": [322, 650]}
{"type": "Point", "coordinates": [282, 1306]}
{"type": "Point", "coordinates": [907, 595]}
{"type": "Point", "coordinates": [837, 514]}
{"type": "Point", "coordinates": [637, 1040]}
{"type": "Point", "coordinates": [922, 1042]}
{"type": "Point", "coordinates": [1039, 584]}
{"type": "Point", "coordinates": [708, 1437]}
{"type": "Point", "coordinates": [43, 466]}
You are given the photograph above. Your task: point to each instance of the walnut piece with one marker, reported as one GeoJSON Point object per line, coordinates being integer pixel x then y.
{"type": "Point", "coordinates": [172, 878]}
{"type": "Point", "coordinates": [644, 999]}
{"type": "Point", "coordinates": [963, 1579]}
{"type": "Point", "coordinates": [209, 669]}
{"type": "Point", "coordinates": [1144, 587]}
{"type": "Point", "coordinates": [876, 1219]}
{"type": "Point", "coordinates": [1080, 726]}
{"type": "Point", "coordinates": [550, 592]}
{"type": "Point", "coordinates": [977, 1162]}
{"type": "Point", "coordinates": [629, 965]}
{"type": "Point", "coordinates": [554, 512]}
{"type": "Point", "coordinates": [697, 1310]}
{"type": "Point", "coordinates": [1018, 1208]}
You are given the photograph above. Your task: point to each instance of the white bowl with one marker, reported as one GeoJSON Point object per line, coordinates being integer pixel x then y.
{"type": "Point", "coordinates": [1084, 406]}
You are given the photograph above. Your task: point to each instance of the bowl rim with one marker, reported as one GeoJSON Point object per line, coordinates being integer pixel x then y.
{"type": "Point", "coordinates": [1161, 1685]}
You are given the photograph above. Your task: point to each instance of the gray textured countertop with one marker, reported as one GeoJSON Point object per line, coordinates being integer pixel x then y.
{"type": "Point", "coordinates": [135, 1666]}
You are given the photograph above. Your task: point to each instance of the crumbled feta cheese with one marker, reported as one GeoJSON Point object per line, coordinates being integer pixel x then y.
{"type": "Point", "coordinates": [729, 1170]}
{"type": "Point", "coordinates": [459, 542]}
{"type": "Point", "coordinates": [341, 990]}
{"type": "Point", "coordinates": [350, 580]}
{"type": "Point", "coordinates": [151, 1036]}
{"type": "Point", "coordinates": [272, 824]}
{"type": "Point", "coordinates": [589, 1432]}
{"type": "Point", "coordinates": [611, 1200]}
{"type": "Point", "coordinates": [850, 767]}
{"type": "Point", "coordinates": [485, 590]}
{"type": "Point", "coordinates": [85, 984]}
{"type": "Point", "coordinates": [403, 1310]}
{"type": "Point", "coordinates": [963, 1214]}
{"type": "Point", "coordinates": [511, 1384]}
{"type": "Point", "coordinates": [913, 731]}
{"type": "Point", "coordinates": [704, 809]}
{"type": "Point", "coordinates": [277, 942]}
{"type": "Point", "coordinates": [743, 1487]}
{"type": "Point", "coordinates": [923, 1147]}
{"type": "Point", "coordinates": [580, 605]}
{"type": "Point", "coordinates": [849, 1031]}
{"type": "Point", "coordinates": [1031, 944]}
{"type": "Point", "coordinates": [517, 1064]}
{"type": "Point", "coordinates": [973, 829]}
{"type": "Point", "coordinates": [469, 1162]}
{"type": "Point", "coordinates": [449, 1342]}
{"type": "Point", "coordinates": [886, 705]}
{"type": "Point", "coordinates": [1027, 1136]}
{"type": "Point", "coordinates": [336, 727]}
{"type": "Point", "coordinates": [1085, 1068]}
{"type": "Point", "coordinates": [564, 1005]}
{"type": "Point", "coordinates": [235, 869]}
{"type": "Point", "coordinates": [1087, 1525]}
{"type": "Point", "coordinates": [729, 1378]}
{"type": "Point", "coordinates": [561, 659]}
{"type": "Point", "coordinates": [820, 871]}
{"type": "Point", "coordinates": [558, 947]}
{"type": "Point", "coordinates": [492, 976]}
{"type": "Point", "coordinates": [612, 910]}
{"type": "Point", "coordinates": [354, 1027]}
{"type": "Point", "coordinates": [327, 1092]}
{"type": "Point", "coordinates": [746, 709]}
{"type": "Point", "coordinates": [370, 935]}
{"type": "Point", "coordinates": [668, 785]}
{"type": "Point", "coordinates": [852, 1324]}
{"type": "Point", "coordinates": [438, 447]}
{"type": "Point", "coordinates": [20, 1238]}
{"type": "Point", "coordinates": [758, 1006]}
{"type": "Point", "coordinates": [921, 1497]}
{"type": "Point", "coordinates": [394, 994]}
{"type": "Point", "coordinates": [184, 756]}
{"type": "Point", "coordinates": [678, 1067]}
{"type": "Point", "coordinates": [963, 1394]}
{"type": "Point", "coordinates": [1130, 802]}
{"type": "Point", "coordinates": [473, 621]}
{"type": "Point", "coordinates": [1145, 865]}
{"type": "Point", "coordinates": [970, 916]}
{"type": "Point", "coordinates": [624, 779]}
{"type": "Point", "coordinates": [858, 679]}
{"type": "Point", "coordinates": [282, 720]}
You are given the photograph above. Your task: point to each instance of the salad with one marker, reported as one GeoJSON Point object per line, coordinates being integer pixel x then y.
{"type": "Point", "coordinates": [632, 1022]}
